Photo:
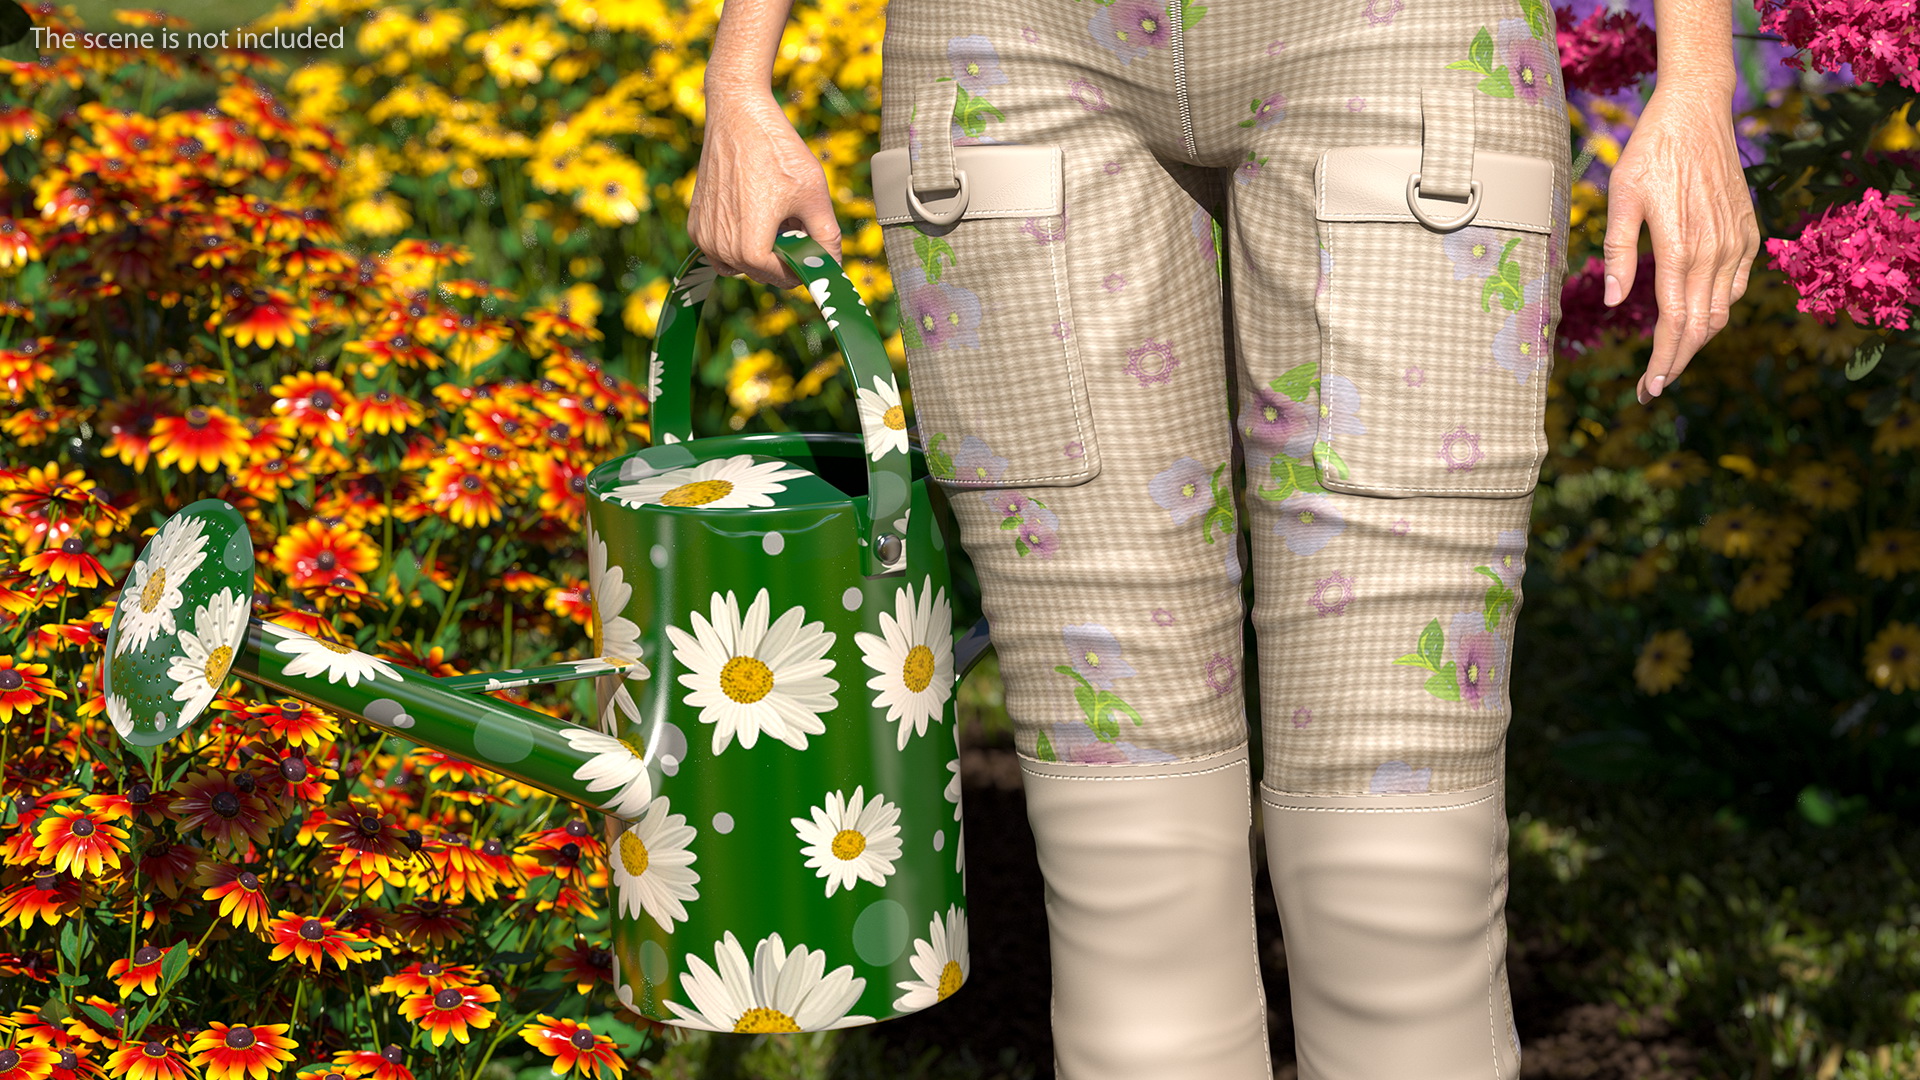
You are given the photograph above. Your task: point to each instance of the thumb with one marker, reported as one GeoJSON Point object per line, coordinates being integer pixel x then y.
{"type": "Point", "coordinates": [817, 217]}
{"type": "Point", "coordinates": [1622, 243]}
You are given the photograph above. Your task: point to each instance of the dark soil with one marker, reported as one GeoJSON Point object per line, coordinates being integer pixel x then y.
{"type": "Point", "coordinates": [1004, 1006]}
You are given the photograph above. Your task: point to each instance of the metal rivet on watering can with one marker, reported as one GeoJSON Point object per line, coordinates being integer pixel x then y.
{"type": "Point", "coordinates": [797, 625]}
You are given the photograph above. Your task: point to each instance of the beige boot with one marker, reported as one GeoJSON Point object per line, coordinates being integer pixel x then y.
{"type": "Point", "coordinates": [1393, 913]}
{"type": "Point", "coordinates": [1156, 971]}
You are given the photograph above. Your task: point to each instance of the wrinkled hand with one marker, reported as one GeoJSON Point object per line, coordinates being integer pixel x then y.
{"type": "Point", "coordinates": [756, 178]}
{"type": "Point", "coordinates": [1680, 174]}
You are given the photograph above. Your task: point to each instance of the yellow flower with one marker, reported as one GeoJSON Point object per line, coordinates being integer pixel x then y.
{"type": "Point", "coordinates": [758, 380]}
{"type": "Point", "coordinates": [381, 214]}
{"type": "Point", "coordinates": [319, 87]}
{"type": "Point", "coordinates": [1778, 535]}
{"type": "Point", "coordinates": [615, 191]}
{"type": "Point", "coordinates": [1823, 486]}
{"type": "Point", "coordinates": [1900, 430]}
{"type": "Point", "coordinates": [1678, 469]}
{"type": "Point", "coordinates": [1644, 573]}
{"type": "Point", "coordinates": [642, 311]}
{"type": "Point", "coordinates": [1893, 657]}
{"type": "Point", "coordinates": [518, 51]}
{"type": "Point", "coordinates": [1664, 659]}
{"type": "Point", "coordinates": [1762, 584]}
{"type": "Point", "coordinates": [1733, 532]}
{"type": "Point", "coordinates": [1890, 551]}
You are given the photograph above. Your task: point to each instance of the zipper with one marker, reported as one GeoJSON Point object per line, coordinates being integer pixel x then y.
{"type": "Point", "coordinates": [1176, 9]}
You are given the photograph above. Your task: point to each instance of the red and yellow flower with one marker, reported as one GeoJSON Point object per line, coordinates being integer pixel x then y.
{"type": "Point", "coordinates": [141, 972]}
{"type": "Point", "coordinates": [204, 438]}
{"type": "Point", "coordinates": [241, 894]}
{"type": "Point", "coordinates": [573, 1046]}
{"type": "Point", "coordinates": [315, 553]}
{"type": "Point", "coordinates": [452, 1011]}
{"type": "Point", "coordinates": [313, 940]}
{"type": "Point", "coordinates": [232, 1052]}
{"type": "Point", "coordinates": [150, 1059]}
{"type": "Point", "coordinates": [83, 841]}
{"type": "Point", "coordinates": [23, 686]}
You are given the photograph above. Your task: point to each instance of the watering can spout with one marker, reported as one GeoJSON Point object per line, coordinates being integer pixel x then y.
{"type": "Point", "coordinates": [183, 624]}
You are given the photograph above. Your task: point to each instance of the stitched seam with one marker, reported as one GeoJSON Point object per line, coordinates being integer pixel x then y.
{"type": "Point", "coordinates": [1524, 226]}
{"type": "Point", "coordinates": [1259, 986]}
{"type": "Point", "coordinates": [971, 214]}
{"type": "Point", "coordinates": [1372, 809]}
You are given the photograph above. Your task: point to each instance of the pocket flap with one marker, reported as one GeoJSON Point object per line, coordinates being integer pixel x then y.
{"type": "Point", "coordinates": [1003, 180]}
{"type": "Point", "coordinates": [1369, 183]}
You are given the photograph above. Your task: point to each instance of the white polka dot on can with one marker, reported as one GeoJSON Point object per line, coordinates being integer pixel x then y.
{"type": "Point", "coordinates": [774, 543]}
{"type": "Point", "coordinates": [940, 840]}
{"type": "Point", "coordinates": [851, 598]}
{"type": "Point", "coordinates": [811, 260]}
{"type": "Point", "coordinates": [669, 764]}
{"type": "Point", "coordinates": [723, 822]}
{"type": "Point", "coordinates": [658, 555]}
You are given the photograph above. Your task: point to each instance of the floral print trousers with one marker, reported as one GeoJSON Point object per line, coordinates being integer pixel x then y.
{"type": "Point", "coordinates": [1088, 383]}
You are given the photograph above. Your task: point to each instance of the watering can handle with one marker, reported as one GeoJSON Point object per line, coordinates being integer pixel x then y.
{"type": "Point", "coordinates": [883, 511]}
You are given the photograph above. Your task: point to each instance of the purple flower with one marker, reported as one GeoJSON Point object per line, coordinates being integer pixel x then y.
{"type": "Point", "coordinates": [1332, 594]}
{"type": "Point", "coordinates": [1460, 449]}
{"type": "Point", "coordinates": [1203, 232]}
{"type": "Point", "coordinates": [1271, 422]}
{"type": "Point", "coordinates": [1185, 488]}
{"type": "Point", "coordinates": [1152, 362]}
{"type": "Point", "coordinates": [1272, 109]}
{"type": "Point", "coordinates": [1113, 167]}
{"type": "Point", "coordinates": [1308, 522]}
{"type": "Point", "coordinates": [1162, 617]}
{"type": "Point", "coordinates": [1401, 527]}
{"type": "Point", "coordinates": [1115, 282]}
{"type": "Point", "coordinates": [1006, 502]}
{"type": "Point", "coordinates": [1077, 742]}
{"type": "Point", "coordinates": [1400, 778]}
{"type": "Point", "coordinates": [1040, 531]}
{"type": "Point", "coordinates": [1477, 658]}
{"type": "Point", "coordinates": [1090, 97]}
{"type": "Point", "coordinates": [1475, 251]}
{"type": "Point", "coordinates": [1531, 62]}
{"type": "Point", "coordinates": [1381, 12]}
{"type": "Point", "coordinates": [1525, 343]}
{"type": "Point", "coordinates": [1356, 103]}
{"type": "Point", "coordinates": [1131, 27]}
{"type": "Point", "coordinates": [1061, 330]}
{"type": "Point", "coordinates": [1302, 716]}
{"type": "Point", "coordinates": [975, 463]}
{"type": "Point", "coordinates": [1244, 172]}
{"type": "Point", "coordinates": [944, 315]}
{"type": "Point", "coordinates": [1339, 406]}
{"type": "Point", "coordinates": [976, 64]}
{"type": "Point", "coordinates": [1045, 230]}
{"type": "Point", "coordinates": [1221, 673]}
{"type": "Point", "coordinates": [1095, 653]}
{"type": "Point", "coordinates": [1075, 449]}
{"type": "Point", "coordinates": [1509, 558]}
{"type": "Point", "coordinates": [1415, 375]}
{"type": "Point", "coordinates": [1274, 47]}
{"type": "Point", "coordinates": [1029, 33]}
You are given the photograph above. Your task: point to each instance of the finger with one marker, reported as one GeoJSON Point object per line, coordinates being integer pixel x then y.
{"type": "Point", "coordinates": [1723, 275]}
{"type": "Point", "coordinates": [766, 265]}
{"type": "Point", "coordinates": [1695, 330]}
{"type": "Point", "coordinates": [1748, 253]}
{"type": "Point", "coordinates": [1670, 327]}
{"type": "Point", "coordinates": [818, 218]}
{"type": "Point", "coordinates": [1621, 246]}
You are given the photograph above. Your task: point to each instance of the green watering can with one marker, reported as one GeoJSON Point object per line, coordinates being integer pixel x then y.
{"type": "Point", "coordinates": [775, 743]}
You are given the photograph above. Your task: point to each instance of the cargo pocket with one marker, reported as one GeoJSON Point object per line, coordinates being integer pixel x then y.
{"type": "Point", "coordinates": [1435, 319]}
{"type": "Point", "coordinates": [976, 242]}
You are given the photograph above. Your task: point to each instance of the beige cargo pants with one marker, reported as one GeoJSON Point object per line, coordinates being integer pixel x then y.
{"type": "Point", "coordinates": [1250, 262]}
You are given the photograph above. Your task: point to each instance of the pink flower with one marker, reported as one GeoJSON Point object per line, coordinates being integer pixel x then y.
{"type": "Point", "coordinates": [1880, 40]}
{"type": "Point", "coordinates": [1604, 52]}
{"type": "Point", "coordinates": [1584, 316]}
{"type": "Point", "coordinates": [1863, 259]}
{"type": "Point", "coordinates": [1460, 449]}
{"type": "Point", "coordinates": [1332, 594]}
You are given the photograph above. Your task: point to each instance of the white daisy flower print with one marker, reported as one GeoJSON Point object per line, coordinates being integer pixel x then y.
{"type": "Point", "coordinates": [913, 654]}
{"type": "Point", "coordinates": [882, 418]}
{"type": "Point", "coordinates": [619, 703]}
{"type": "Point", "coordinates": [153, 588]}
{"type": "Point", "coordinates": [941, 961]}
{"type": "Point", "coordinates": [697, 283]}
{"type": "Point", "coordinates": [780, 991]}
{"type": "Point", "coordinates": [206, 651]}
{"type": "Point", "coordinates": [617, 765]}
{"type": "Point", "coordinates": [747, 677]}
{"type": "Point", "coordinates": [617, 636]}
{"type": "Point", "coordinates": [653, 866]}
{"type": "Point", "coordinates": [851, 840]}
{"type": "Point", "coordinates": [716, 484]}
{"type": "Point", "coordinates": [656, 373]}
{"type": "Point", "coordinates": [317, 656]}
{"type": "Point", "coordinates": [121, 714]}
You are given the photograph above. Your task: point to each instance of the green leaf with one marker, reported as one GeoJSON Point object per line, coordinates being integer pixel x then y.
{"type": "Point", "coordinates": [1299, 381]}
{"type": "Point", "coordinates": [1443, 684]}
{"type": "Point", "coordinates": [1043, 748]}
{"type": "Point", "coordinates": [55, 1010]}
{"type": "Point", "coordinates": [1328, 460]}
{"type": "Point", "coordinates": [1481, 51]}
{"type": "Point", "coordinates": [70, 941]}
{"type": "Point", "coordinates": [1432, 640]}
{"type": "Point", "coordinates": [15, 24]}
{"type": "Point", "coordinates": [1879, 405]}
{"type": "Point", "coordinates": [1414, 659]}
{"type": "Point", "coordinates": [1866, 358]}
{"type": "Point", "coordinates": [95, 1013]}
{"type": "Point", "coordinates": [406, 571]}
{"type": "Point", "coordinates": [1497, 84]}
{"type": "Point", "coordinates": [1539, 21]}
{"type": "Point", "coordinates": [173, 965]}
{"type": "Point", "coordinates": [73, 980]}
{"type": "Point", "coordinates": [507, 958]}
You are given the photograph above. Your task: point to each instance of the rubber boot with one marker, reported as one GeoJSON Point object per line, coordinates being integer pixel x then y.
{"type": "Point", "coordinates": [1393, 912]}
{"type": "Point", "coordinates": [1149, 891]}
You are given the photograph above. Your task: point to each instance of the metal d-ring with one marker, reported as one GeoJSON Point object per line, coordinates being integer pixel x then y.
{"type": "Point", "coordinates": [1473, 205]}
{"type": "Point", "coordinates": [943, 217]}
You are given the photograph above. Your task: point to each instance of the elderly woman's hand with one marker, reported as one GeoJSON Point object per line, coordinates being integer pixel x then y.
{"type": "Point", "coordinates": [1680, 174]}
